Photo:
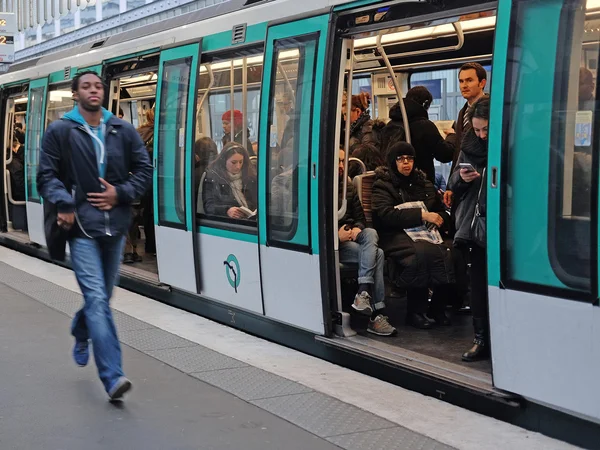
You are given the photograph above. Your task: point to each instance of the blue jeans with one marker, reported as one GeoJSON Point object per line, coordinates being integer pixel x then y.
{"type": "Point", "coordinates": [370, 259]}
{"type": "Point", "coordinates": [96, 266]}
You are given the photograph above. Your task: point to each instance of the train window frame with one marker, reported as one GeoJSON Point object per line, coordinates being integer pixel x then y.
{"type": "Point", "coordinates": [179, 205]}
{"type": "Point", "coordinates": [221, 56]}
{"type": "Point", "coordinates": [288, 237]}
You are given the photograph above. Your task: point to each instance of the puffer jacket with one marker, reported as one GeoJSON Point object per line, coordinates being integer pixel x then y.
{"type": "Point", "coordinates": [425, 138]}
{"type": "Point", "coordinates": [218, 195]}
{"type": "Point", "coordinates": [355, 216]}
{"type": "Point", "coordinates": [127, 168]}
{"type": "Point", "coordinates": [411, 264]}
{"type": "Point", "coordinates": [474, 151]}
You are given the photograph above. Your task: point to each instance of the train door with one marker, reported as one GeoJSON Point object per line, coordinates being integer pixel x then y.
{"type": "Point", "coordinates": [173, 174]}
{"type": "Point", "coordinates": [14, 168]}
{"type": "Point", "coordinates": [288, 182]}
{"type": "Point", "coordinates": [543, 204]}
{"type": "Point", "coordinates": [36, 118]}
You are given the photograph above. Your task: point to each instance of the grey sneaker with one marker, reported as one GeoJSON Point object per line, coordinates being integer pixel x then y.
{"type": "Point", "coordinates": [381, 326]}
{"type": "Point", "coordinates": [121, 386]}
{"type": "Point", "coordinates": [362, 303]}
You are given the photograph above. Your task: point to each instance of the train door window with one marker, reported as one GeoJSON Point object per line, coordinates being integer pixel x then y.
{"type": "Point", "coordinates": [292, 85]}
{"type": "Point", "coordinates": [228, 111]}
{"type": "Point", "coordinates": [553, 150]}
{"type": "Point", "coordinates": [60, 102]}
{"type": "Point", "coordinates": [34, 139]}
{"type": "Point", "coordinates": [171, 142]}
{"type": "Point", "coordinates": [136, 97]}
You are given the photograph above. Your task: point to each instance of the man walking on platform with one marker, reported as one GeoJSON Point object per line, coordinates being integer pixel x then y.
{"type": "Point", "coordinates": [93, 165]}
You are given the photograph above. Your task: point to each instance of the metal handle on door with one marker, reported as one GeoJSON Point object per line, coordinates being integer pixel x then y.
{"type": "Point", "coordinates": [494, 177]}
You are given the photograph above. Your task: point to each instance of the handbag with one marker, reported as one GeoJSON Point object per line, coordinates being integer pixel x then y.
{"type": "Point", "coordinates": [478, 224]}
{"type": "Point", "coordinates": [56, 236]}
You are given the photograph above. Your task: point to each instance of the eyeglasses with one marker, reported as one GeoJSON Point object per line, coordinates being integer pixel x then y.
{"type": "Point", "coordinates": [406, 158]}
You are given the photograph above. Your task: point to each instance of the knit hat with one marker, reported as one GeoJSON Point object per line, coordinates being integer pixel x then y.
{"type": "Point", "coordinates": [399, 149]}
{"type": "Point", "coordinates": [238, 118]}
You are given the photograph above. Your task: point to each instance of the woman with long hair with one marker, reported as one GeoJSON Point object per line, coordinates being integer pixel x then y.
{"type": "Point", "coordinates": [230, 184]}
{"type": "Point", "coordinates": [468, 186]}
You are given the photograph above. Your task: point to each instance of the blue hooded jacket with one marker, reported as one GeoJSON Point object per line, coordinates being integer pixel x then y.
{"type": "Point", "coordinates": [115, 150]}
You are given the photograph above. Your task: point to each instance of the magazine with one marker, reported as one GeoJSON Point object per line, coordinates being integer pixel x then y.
{"type": "Point", "coordinates": [423, 232]}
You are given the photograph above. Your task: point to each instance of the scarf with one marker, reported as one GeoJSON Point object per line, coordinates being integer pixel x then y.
{"type": "Point", "coordinates": [237, 187]}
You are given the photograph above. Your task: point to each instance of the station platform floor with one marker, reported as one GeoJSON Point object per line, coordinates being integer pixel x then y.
{"type": "Point", "coordinates": [201, 385]}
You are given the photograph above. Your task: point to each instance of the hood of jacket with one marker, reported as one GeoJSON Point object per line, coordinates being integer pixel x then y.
{"type": "Point", "coordinates": [414, 111]}
{"type": "Point", "coordinates": [75, 116]}
{"type": "Point", "coordinates": [474, 148]}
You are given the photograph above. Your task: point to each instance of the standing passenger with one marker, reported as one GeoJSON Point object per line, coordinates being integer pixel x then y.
{"type": "Point", "coordinates": [469, 186]}
{"type": "Point", "coordinates": [107, 169]}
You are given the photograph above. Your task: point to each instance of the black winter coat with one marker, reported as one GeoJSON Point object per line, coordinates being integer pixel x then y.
{"type": "Point", "coordinates": [415, 264]}
{"type": "Point", "coordinates": [426, 139]}
{"type": "Point", "coordinates": [474, 151]}
{"type": "Point", "coordinates": [218, 195]}
{"type": "Point", "coordinates": [355, 216]}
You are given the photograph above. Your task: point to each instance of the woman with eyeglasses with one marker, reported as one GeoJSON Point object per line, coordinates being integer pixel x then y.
{"type": "Point", "coordinates": [416, 265]}
{"type": "Point", "coordinates": [467, 184]}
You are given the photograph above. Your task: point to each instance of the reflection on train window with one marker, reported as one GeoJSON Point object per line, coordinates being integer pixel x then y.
{"type": "Point", "coordinates": [561, 129]}
{"type": "Point", "coordinates": [171, 142]}
{"type": "Point", "coordinates": [33, 141]}
{"type": "Point", "coordinates": [289, 139]}
{"type": "Point", "coordinates": [227, 137]}
{"type": "Point", "coordinates": [60, 102]}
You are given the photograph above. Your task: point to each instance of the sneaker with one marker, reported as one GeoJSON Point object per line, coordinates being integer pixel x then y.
{"type": "Point", "coordinates": [381, 326]}
{"type": "Point", "coordinates": [121, 386]}
{"type": "Point", "coordinates": [362, 303]}
{"type": "Point", "coordinates": [81, 353]}
{"type": "Point", "coordinates": [137, 258]}
{"type": "Point", "coordinates": [128, 258]}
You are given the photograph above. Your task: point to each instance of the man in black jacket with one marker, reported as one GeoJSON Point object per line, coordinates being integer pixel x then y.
{"type": "Point", "coordinates": [92, 167]}
{"type": "Point", "coordinates": [358, 244]}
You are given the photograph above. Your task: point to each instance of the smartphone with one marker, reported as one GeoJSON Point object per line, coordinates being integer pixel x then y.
{"type": "Point", "coordinates": [467, 166]}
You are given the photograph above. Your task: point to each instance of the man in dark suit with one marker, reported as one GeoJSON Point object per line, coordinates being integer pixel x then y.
{"type": "Point", "coordinates": [472, 79]}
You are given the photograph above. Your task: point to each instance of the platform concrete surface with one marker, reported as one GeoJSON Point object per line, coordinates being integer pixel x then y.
{"type": "Point", "coordinates": [48, 403]}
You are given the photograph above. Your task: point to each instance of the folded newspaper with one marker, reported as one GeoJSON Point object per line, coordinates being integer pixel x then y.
{"type": "Point", "coordinates": [421, 233]}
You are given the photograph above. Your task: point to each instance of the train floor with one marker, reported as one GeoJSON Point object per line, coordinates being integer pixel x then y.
{"type": "Point", "coordinates": [447, 343]}
{"type": "Point", "coordinates": [201, 385]}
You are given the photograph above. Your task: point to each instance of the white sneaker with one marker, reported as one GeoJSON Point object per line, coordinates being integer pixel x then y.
{"type": "Point", "coordinates": [362, 303]}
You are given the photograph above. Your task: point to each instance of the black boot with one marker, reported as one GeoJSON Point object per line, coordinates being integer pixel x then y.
{"type": "Point", "coordinates": [481, 348]}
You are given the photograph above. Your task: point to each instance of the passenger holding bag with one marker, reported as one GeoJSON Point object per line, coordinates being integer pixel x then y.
{"type": "Point", "coordinates": [468, 183]}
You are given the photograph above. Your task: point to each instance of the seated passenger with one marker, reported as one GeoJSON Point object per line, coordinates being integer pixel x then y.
{"type": "Point", "coordinates": [369, 155]}
{"type": "Point", "coordinates": [16, 169]}
{"type": "Point", "coordinates": [238, 130]}
{"type": "Point", "coordinates": [415, 265]}
{"type": "Point", "coordinates": [18, 150]}
{"type": "Point", "coordinates": [205, 152]}
{"type": "Point", "coordinates": [358, 244]}
{"type": "Point", "coordinates": [230, 184]}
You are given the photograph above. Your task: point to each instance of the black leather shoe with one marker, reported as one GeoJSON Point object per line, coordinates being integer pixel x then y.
{"type": "Point", "coordinates": [418, 320]}
{"type": "Point", "coordinates": [478, 352]}
{"type": "Point", "coordinates": [441, 318]}
{"type": "Point", "coordinates": [128, 258]}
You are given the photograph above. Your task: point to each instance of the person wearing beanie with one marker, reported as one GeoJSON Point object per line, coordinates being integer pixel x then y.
{"type": "Point", "coordinates": [238, 129]}
{"type": "Point", "coordinates": [414, 265]}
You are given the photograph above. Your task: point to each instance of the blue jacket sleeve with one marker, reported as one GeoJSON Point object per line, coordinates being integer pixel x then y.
{"type": "Point", "coordinates": [140, 170]}
{"type": "Point", "coordinates": [50, 186]}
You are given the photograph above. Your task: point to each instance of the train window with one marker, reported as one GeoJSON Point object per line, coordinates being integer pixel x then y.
{"type": "Point", "coordinates": [289, 145]}
{"type": "Point", "coordinates": [552, 142]}
{"type": "Point", "coordinates": [34, 140]}
{"type": "Point", "coordinates": [228, 113]}
{"type": "Point", "coordinates": [60, 101]}
{"type": "Point", "coordinates": [171, 141]}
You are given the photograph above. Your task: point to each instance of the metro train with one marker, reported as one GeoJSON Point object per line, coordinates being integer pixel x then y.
{"type": "Point", "coordinates": [278, 275]}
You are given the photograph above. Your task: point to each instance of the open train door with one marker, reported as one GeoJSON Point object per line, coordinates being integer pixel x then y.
{"type": "Point", "coordinates": [174, 216]}
{"type": "Point", "coordinates": [36, 118]}
{"type": "Point", "coordinates": [542, 205]}
{"type": "Point", "coordinates": [288, 168]}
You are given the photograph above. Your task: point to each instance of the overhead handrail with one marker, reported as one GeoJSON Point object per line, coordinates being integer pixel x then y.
{"type": "Point", "coordinates": [344, 207]}
{"type": "Point", "coordinates": [363, 168]}
{"type": "Point", "coordinates": [397, 88]}
{"type": "Point", "coordinates": [449, 48]}
{"type": "Point", "coordinates": [9, 191]}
